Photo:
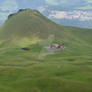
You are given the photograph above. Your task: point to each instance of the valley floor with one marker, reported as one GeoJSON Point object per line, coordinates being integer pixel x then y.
{"type": "Point", "coordinates": [24, 71]}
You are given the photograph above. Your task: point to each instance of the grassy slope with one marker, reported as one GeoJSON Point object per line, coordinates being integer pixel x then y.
{"type": "Point", "coordinates": [24, 71]}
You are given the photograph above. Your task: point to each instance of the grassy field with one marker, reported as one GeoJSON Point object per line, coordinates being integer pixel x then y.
{"type": "Point", "coordinates": [24, 71]}
{"type": "Point", "coordinates": [39, 70]}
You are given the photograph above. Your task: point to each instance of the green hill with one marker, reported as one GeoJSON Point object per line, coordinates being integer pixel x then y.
{"type": "Point", "coordinates": [28, 25]}
{"type": "Point", "coordinates": [39, 70]}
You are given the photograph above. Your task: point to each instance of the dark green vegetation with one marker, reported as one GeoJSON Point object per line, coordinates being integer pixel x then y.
{"type": "Point", "coordinates": [24, 71]}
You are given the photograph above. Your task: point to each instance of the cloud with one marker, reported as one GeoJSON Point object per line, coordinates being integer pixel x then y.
{"type": "Point", "coordinates": [56, 2]}
{"type": "Point", "coordinates": [86, 7]}
{"type": "Point", "coordinates": [3, 16]}
{"type": "Point", "coordinates": [89, 1]}
{"type": "Point", "coordinates": [66, 3]}
{"type": "Point", "coordinates": [9, 5]}
{"type": "Point", "coordinates": [52, 2]}
{"type": "Point", "coordinates": [74, 4]}
{"type": "Point", "coordinates": [58, 14]}
{"type": "Point", "coordinates": [77, 15]}
{"type": "Point", "coordinates": [41, 9]}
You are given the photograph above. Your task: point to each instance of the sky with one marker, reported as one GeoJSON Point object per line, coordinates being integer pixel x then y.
{"type": "Point", "coordinates": [54, 9]}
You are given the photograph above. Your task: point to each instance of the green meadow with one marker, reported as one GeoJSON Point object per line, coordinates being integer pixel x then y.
{"type": "Point", "coordinates": [38, 69]}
